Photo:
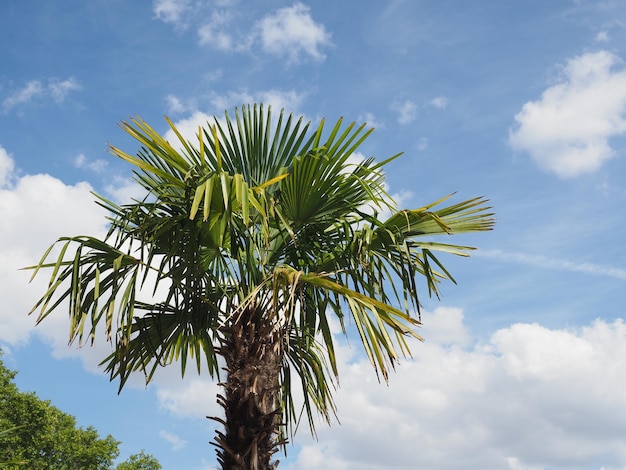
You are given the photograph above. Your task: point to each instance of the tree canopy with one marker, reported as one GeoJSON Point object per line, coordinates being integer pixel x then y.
{"type": "Point", "coordinates": [34, 434]}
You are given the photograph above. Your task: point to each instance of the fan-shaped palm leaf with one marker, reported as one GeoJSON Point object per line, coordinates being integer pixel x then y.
{"type": "Point", "coordinates": [254, 235]}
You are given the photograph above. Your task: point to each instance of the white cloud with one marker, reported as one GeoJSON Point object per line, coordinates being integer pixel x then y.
{"type": "Point", "coordinates": [31, 90]}
{"type": "Point", "coordinates": [188, 127]}
{"type": "Point", "coordinates": [175, 105]}
{"type": "Point", "coordinates": [56, 89]}
{"type": "Point", "coordinates": [213, 75]}
{"type": "Point", "coordinates": [292, 31]}
{"type": "Point", "coordinates": [515, 464]}
{"type": "Point", "coordinates": [60, 89]}
{"type": "Point", "coordinates": [289, 31]}
{"type": "Point", "coordinates": [171, 11]}
{"type": "Point", "coordinates": [445, 326]}
{"type": "Point", "coordinates": [440, 102]}
{"type": "Point", "coordinates": [371, 121]}
{"type": "Point", "coordinates": [176, 441]}
{"type": "Point", "coordinates": [216, 32]}
{"type": "Point", "coordinates": [568, 130]}
{"type": "Point", "coordinates": [97, 166]}
{"type": "Point", "coordinates": [602, 36]}
{"type": "Point", "coordinates": [288, 100]}
{"type": "Point", "coordinates": [124, 190]}
{"type": "Point", "coordinates": [407, 111]}
{"type": "Point", "coordinates": [528, 398]}
{"type": "Point", "coordinates": [554, 263]}
{"type": "Point", "coordinates": [190, 398]}
{"type": "Point", "coordinates": [6, 167]}
{"type": "Point", "coordinates": [37, 210]}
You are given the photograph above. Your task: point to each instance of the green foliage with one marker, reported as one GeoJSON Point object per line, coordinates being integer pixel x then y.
{"type": "Point", "coordinates": [37, 435]}
{"type": "Point", "coordinates": [257, 216]}
{"type": "Point", "coordinates": [10, 463]}
{"type": "Point", "coordinates": [47, 438]}
{"type": "Point", "coordinates": [140, 461]}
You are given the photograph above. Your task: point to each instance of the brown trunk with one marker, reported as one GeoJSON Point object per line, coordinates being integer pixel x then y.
{"type": "Point", "coordinates": [251, 349]}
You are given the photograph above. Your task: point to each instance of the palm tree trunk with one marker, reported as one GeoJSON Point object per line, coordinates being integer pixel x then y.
{"type": "Point", "coordinates": [252, 350]}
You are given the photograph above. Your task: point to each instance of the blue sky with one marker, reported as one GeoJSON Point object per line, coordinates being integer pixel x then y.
{"type": "Point", "coordinates": [522, 102]}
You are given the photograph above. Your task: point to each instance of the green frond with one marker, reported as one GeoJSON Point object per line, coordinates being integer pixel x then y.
{"type": "Point", "coordinates": [270, 214]}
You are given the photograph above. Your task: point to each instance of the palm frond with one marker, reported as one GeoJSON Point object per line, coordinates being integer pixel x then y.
{"type": "Point", "coordinates": [255, 215]}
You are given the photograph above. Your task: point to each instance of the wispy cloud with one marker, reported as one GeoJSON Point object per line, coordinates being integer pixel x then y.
{"type": "Point", "coordinates": [554, 263]}
{"type": "Point", "coordinates": [25, 94]}
{"type": "Point", "coordinates": [59, 89]}
{"type": "Point", "coordinates": [371, 120]}
{"type": "Point", "coordinates": [440, 102]}
{"type": "Point", "coordinates": [567, 131]}
{"type": "Point", "coordinates": [36, 89]}
{"type": "Point", "coordinates": [602, 36]}
{"type": "Point", "coordinates": [171, 11]}
{"type": "Point", "coordinates": [176, 441]}
{"type": "Point", "coordinates": [422, 144]}
{"type": "Point", "coordinates": [407, 111]}
{"type": "Point", "coordinates": [217, 32]}
{"type": "Point", "coordinates": [97, 165]}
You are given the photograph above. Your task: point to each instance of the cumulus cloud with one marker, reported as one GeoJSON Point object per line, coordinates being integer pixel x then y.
{"type": "Point", "coordinates": [568, 130]}
{"type": "Point", "coordinates": [528, 397]}
{"type": "Point", "coordinates": [191, 398]}
{"type": "Point", "coordinates": [35, 89]}
{"type": "Point", "coordinates": [124, 190]}
{"type": "Point", "coordinates": [36, 211]}
{"type": "Point", "coordinates": [407, 111]}
{"type": "Point", "coordinates": [292, 31]}
{"type": "Point", "coordinates": [188, 127]}
{"type": "Point", "coordinates": [525, 398]}
{"type": "Point", "coordinates": [288, 31]}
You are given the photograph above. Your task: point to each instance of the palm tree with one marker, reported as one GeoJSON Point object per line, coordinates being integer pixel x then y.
{"type": "Point", "coordinates": [254, 238]}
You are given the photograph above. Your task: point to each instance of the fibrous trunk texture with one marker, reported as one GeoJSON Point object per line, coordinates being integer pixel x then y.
{"type": "Point", "coordinates": [252, 351]}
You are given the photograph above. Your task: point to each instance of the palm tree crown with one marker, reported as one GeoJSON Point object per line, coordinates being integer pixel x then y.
{"type": "Point", "coordinates": [254, 238]}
